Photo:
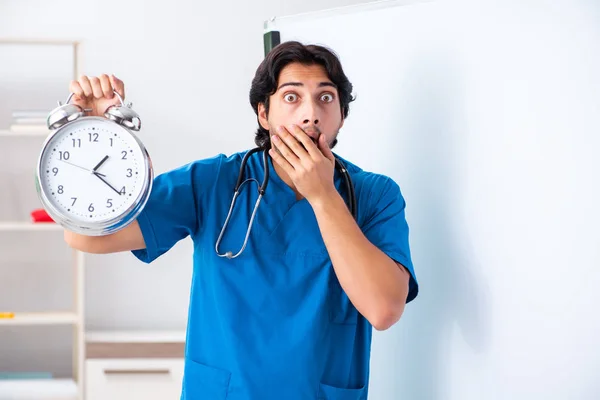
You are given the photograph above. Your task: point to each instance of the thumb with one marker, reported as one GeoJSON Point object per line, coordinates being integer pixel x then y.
{"type": "Point", "coordinates": [117, 85]}
{"type": "Point", "coordinates": [324, 147]}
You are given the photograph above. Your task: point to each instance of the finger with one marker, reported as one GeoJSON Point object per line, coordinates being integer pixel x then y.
{"type": "Point", "coordinates": [285, 151]}
{"type": "Point", "coordinates": [106, 86]}
{"type": "Point", "coordinates": [281, 161]}
{"type": "Point", "coordinates": [324, 147]}
{"type": "Point", "coordinates": [118, 85]}
{"type": "Point", "coordinates": [76, 89]}
{"type": "Point", "coordinates": [85, 85]}
{"type": "Point", "coordinates": [306, 141]}
{"type": "Point", "coordinates": [96, 88]}
{"type": "Point", "coordinates": [292, 143]}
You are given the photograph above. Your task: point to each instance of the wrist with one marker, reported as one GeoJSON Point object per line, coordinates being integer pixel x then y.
{"type": "Point", "coordinates": [327, 201]}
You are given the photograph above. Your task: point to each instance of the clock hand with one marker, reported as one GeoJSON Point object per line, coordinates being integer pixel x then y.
{"type": "Point", "coordinates": [100, 163]}
{"type": "Point", "coordinates": [103, 180]}
{"type": "Point", "coordinates": [83, 168]}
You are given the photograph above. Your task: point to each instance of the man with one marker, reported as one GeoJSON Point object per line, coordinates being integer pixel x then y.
{"type": "Point", "coordinates": [291, 316]}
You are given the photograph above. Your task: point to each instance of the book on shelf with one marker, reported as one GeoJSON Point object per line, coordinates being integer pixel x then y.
{"type": "Point", "coordinates": [29, 121]}
{"type": "Point", "coordinates": [28, 128]}
{"type": "Point", "coordinates": [25, 114]}
{"type": "Point", "coordinates": [25, 375]}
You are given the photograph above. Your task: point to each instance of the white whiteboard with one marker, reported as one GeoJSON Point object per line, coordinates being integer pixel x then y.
{"type": "Point", "coordinates": [487, 114]}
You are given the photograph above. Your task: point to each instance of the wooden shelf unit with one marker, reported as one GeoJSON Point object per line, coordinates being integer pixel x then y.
{"type": "Point", "coordinates": [56, 389]}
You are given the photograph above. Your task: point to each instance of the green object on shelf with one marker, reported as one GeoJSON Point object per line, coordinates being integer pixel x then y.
{"type": "Point", "coordinates": [25, 375]}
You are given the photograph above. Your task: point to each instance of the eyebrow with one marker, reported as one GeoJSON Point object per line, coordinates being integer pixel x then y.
{"type": "Point", "coordinates": [322, 84]}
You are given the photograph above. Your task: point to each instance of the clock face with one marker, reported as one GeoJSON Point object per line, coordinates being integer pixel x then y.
{"type": "Point", "coordinates": [93, 171]}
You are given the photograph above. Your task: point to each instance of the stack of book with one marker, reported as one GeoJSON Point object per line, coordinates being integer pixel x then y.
{"type": "Point", "coordinates": [29, 121]}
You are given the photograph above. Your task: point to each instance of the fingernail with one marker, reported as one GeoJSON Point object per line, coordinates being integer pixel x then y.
{"type": "Point", "coordinates": [275, 138]}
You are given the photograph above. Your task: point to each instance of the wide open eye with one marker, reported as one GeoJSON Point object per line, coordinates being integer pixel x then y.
{"type": "Point", "coordinates": [327, 97]}
{"type": "Point", "coordinates": [290, 97]}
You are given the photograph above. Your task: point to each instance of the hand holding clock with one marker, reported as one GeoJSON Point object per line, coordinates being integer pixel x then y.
{"type": "Point", "coordinates": [104, 135]}
{"type": "Point", "coordinates": [96, 93]}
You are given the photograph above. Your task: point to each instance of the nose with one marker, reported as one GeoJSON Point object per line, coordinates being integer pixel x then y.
{"type": "Point", "coordinates": [310, 113]}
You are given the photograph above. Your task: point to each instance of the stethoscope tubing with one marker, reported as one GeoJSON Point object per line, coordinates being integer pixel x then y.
{"type": "Point", "coordinates": [261, 192]}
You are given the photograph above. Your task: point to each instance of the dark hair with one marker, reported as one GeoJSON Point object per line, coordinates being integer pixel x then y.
{"type": "Point", "coordinates": [266, 78]}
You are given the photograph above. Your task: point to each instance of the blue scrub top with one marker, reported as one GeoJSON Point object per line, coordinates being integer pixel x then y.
{"type": "Point", "coordinates": [273, 323]}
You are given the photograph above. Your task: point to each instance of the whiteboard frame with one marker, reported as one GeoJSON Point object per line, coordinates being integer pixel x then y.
{"type": "Point", "coordinates": [272, 24]}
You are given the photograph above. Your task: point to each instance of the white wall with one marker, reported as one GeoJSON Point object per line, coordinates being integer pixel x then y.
{"type": "Point", "coordinates": [187, 66]}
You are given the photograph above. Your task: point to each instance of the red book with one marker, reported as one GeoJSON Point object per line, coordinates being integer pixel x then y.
{"type": "Point", "coordinates": [40, 215]}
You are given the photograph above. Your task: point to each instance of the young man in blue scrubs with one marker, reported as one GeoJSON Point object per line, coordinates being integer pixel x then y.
{"type": "Point", "coordinates": [291, 317]}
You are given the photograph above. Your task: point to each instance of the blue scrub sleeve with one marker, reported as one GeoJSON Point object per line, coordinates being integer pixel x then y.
{"type": "Point", "coordinates": [387, 227]}
{"type": "Point", "coordinates": [174, 209]}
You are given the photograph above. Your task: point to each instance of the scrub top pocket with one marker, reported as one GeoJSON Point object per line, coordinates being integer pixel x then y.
{"type": "Point", "coordinates": [327, 392]}
{"type": "Point", "coordinates": [204, 382]}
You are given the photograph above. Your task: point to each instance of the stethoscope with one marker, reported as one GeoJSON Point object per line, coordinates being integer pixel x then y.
{"type": "Point", "coordinates": [261, 192]}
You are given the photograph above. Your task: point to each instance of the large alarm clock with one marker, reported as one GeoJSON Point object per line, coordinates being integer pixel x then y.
{"type": "Point", "coordinates": [94, 175]}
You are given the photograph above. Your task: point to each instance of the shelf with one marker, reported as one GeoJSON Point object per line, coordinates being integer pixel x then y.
{"type": "Point", "coordinates": [41, 318]}
{"type": "Point", "coordinates": [30, 226]}
{"type": "Point", "coordinates": [38, 41]}
{"type": "Point", "coordinates": [32, 133]}
{"type": "Point", "coordinates": [39, 389]}
{"type": "Point", "coordinates": [135, 336]}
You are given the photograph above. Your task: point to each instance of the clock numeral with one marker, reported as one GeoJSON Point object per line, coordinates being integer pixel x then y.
{"type": "Point", "coordinates": [124, 155]}
{"type": "Point", "coordinates": [76, 142]}
{"type": "Point", "coordinates": [129, 172]}
{"type": "Point", "coordinates": [111, 142]}
{"type": "Point", "coordinates": [55, 171]}
{"type": "Point", "coordinates": [74, 200]}
{"type": "Point", "coordinates": [64, 155]}
{"type": "Point", "coordinates": [93, 136]}
{"type": "Point", "coordinates": [61, 189]}
{"type": "Point", "coordinates": [109, 203]}
{"type": "Point", "coordinates": [91, 207]}
{"type": "Point", "coordinates": [122, 191]}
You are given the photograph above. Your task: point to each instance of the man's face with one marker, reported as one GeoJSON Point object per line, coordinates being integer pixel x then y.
{"type": "Point", "coordinates": [306, 97]}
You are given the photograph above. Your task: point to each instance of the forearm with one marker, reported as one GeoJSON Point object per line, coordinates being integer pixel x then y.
{"type": "Point", "coordinates": [127, 239]}
{"type": "Point", "coordinates": [374, 283]}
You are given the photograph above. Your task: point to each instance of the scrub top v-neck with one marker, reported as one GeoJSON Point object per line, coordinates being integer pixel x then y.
{"type": "Point", "coordinates": [273, 323]}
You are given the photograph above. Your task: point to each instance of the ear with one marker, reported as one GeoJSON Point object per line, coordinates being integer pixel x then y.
{"type": "Point", "coordinates": [262, 116]}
